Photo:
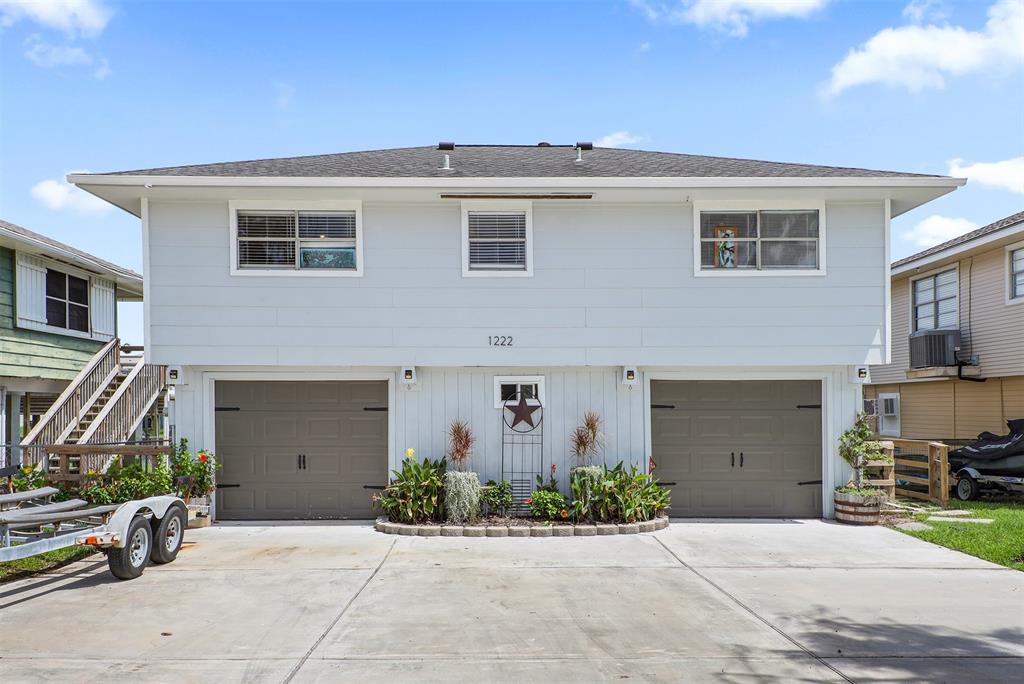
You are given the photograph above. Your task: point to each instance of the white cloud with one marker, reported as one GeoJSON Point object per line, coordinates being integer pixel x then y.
{"type": "Point", "coordinates": [618, 139]}
{"type": "Point", "coordinates": [936, 229]}
{"type": "Point", "coordinates": [919, 11]}
{"type": "Point", "coordinates": [1006, 175]}
{"type": "Point", "coordinates": [49, 56]}
{"type": "Point", "coordinates": [74, 17]}
{"type": "Point", "coordinates": [59, 195]}
{"type": "Point", "coordinates": [731, 16]}
{"type": "Point", "coordinates": [918, 57]}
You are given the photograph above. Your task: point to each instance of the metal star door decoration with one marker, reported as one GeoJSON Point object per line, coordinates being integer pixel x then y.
{"type": "Point", "coordinates": [522, 412]}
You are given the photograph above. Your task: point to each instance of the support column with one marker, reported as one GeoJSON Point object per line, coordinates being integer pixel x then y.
{"type": "Point", "coordinates": [13, 425]}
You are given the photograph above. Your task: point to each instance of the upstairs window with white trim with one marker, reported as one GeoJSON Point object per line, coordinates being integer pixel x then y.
{"type": "Point", "coordinates": [1017, 273]}
{"type": "Point", "coordinates": [760, 240]}
{"type": "Point", "coordinates": [297, 240]}
{"type": "Point", "coordinates": [935, 301]}
{"type": "Point", "coordinates": [67, 301]}
{"type": "Point", "coordinates": [497, 241]}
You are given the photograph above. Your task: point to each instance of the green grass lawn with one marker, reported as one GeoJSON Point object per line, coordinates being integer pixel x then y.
{"type": "Point", "coordinates": [45, 561]}
{"type": "Point", "coordinates": [1001, 541]}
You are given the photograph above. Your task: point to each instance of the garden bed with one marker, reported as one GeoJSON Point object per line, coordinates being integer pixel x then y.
{"type": "Point", "coordinates": [520, 527]}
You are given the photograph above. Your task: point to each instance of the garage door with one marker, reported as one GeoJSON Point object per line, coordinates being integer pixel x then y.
{"type": "Point", "coordinates": [300, 449]}
{"type": "Point", "coordinates": [739, 448]}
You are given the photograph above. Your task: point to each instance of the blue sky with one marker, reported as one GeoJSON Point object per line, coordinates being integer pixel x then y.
{"type": "Point", "coordinates": [913, 86]}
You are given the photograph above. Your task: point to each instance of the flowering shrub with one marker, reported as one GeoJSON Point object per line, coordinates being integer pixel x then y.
{"type": "Point", "coordinates": [497, 497]}
{"type": "Point", "coordinates": [29, 477]}
{"type": "Point", "coordinates": [195, 474]}
{"type": "Point", "coordinates": [548, 505]}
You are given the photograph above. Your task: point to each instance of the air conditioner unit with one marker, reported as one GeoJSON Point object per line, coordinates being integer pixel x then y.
{"type": "Point", "coordinates": [870, 407]}
{"type": "Point", "coordinates": [890, 406]}
{"type": "Point", "coordinates": [931, 348]}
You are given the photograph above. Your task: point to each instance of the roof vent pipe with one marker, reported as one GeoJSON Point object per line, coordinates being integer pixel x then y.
{"type": "Point", "coordinates": [447, 164]}
{"type": "Point", "coordinates": [580, 147]}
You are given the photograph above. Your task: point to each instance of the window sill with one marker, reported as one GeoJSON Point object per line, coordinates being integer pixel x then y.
{"type": "Point", "coordinates": [297, 273]}
{"type": "Point", "coordinates": [497, 274]}
{"type": "Point", "coordinates": [745, 273]}
{"type": "Point", "coordinates": [63, 332]}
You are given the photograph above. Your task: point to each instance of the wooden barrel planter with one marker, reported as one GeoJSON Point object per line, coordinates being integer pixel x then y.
{"type": "Point", "coordinates": [854, 509]}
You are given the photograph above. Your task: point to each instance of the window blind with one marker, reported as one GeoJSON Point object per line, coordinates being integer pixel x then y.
{"type": "Point", "coordinates": [497, 241]}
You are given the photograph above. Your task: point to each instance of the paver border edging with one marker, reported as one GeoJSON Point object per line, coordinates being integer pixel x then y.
{"type": "Point", "coordinates": [521, 531]}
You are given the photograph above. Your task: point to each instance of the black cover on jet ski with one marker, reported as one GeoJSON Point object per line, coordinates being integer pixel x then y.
{"type": "Point", "coordinates": [990, 447]}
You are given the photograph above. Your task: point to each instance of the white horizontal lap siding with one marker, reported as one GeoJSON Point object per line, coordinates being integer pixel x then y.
{"type": "Point", "coordinates": [612, 285]}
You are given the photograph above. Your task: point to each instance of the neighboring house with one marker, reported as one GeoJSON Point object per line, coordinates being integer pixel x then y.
{"type": "Point", "coordinates": [324, 314]}
{"type": "Point", "coordinates": [58, 307]}
{"type": "Point", "coordinates": [958, 342]}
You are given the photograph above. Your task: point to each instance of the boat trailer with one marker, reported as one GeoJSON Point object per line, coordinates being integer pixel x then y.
{"type": "Point", "coordinates": [131, 534]}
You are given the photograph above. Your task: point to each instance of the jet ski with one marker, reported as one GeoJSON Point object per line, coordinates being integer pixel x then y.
{"type": "Point", "coordinates": [994, 454]}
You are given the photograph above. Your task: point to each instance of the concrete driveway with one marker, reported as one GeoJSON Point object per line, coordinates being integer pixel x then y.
{"type": "Point", "coordinates": [734, 601]}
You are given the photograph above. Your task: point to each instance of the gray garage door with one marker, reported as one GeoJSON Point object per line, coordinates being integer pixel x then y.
{"type": "Point", "coordinates": [739, 449]}
{"type": "Point", "coordinates": [295, 450]}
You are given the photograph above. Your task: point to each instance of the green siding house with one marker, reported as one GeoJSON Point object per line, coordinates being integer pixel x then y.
{"type": "Point", "coordinates": [58, 307]}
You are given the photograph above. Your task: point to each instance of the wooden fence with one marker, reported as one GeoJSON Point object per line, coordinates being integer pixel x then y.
{"type": "Point", "coordinates": [922, 469]}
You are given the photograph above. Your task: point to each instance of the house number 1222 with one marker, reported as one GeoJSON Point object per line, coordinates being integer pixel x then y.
{"type": "Point", "coordinates": [499, 340]}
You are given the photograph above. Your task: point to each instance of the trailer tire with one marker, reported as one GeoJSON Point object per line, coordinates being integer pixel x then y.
{"type": "Point", "coordinates": [168, 535]}
{"type": "Point", "coordinates": [129, 561]}
{"type": "Point", "coordinates": [967, 488]}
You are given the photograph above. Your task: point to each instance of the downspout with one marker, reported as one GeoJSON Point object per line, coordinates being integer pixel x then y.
{"type": "Point", "coordinates": [960, 373]}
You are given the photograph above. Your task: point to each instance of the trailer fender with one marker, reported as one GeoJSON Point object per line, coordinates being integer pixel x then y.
{"type": "Point", "coordinates": [122, 518]}
{"type": "Point", "coordinates": [968, 472]}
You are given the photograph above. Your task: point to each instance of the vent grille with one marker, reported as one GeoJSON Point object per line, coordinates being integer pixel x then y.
{"type": "Point", "coordinates": [934, 348]}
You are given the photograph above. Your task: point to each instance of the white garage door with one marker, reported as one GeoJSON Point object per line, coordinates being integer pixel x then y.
{"type": "Point", "coordinates": [739, 449]}
{"type": "Point", "coordinates": [295, 450]}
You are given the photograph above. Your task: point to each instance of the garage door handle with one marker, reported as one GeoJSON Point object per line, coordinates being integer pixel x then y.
{"type": "Point", "coordinates": [809, 482]}
{"type": "Point", "coordinates": [741, 459]}
{"type": "Point", "coordinates": [227, 486]}
{"type": "Point", "coordinates": [663, 406]}
{"type": "Point", "coordinates": [667, 484]}
{"type": "Point", "coordinates": [732, 455]}
{"type": "Point", "coordinates": [377, 487]}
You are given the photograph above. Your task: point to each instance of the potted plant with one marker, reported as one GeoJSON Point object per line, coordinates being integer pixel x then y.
{"type": "Point", "coordinates": [857, 502]}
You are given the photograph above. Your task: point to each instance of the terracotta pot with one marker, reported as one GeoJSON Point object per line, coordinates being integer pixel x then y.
{"type": "Point", "coordinates": [854, 509]}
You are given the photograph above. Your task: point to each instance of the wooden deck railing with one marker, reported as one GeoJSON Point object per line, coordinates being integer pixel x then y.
{"type": "Point", "coordinates": [126, 409]}
{"type": "Point", "coordinates": [922, 469]}
{"type": "Point", "coordinates": [76, 399]}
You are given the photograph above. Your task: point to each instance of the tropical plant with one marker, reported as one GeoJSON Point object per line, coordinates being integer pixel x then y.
{"type": "Point", "coordinates": [195, 474]}
{"type": "Point", "coordinates": [857, 449]}
{"type": "Point", "coordinates": [552, 483]}
{"type": "Point", "coordinates": [416, 492]}
{"type": "Point", "coordinates": [28, 478]}
{"type": "Point", "coordinates": [460, 443]}
{"type": "Point", "coordinates": [548, 505]}
{"type": "Point", "coordinates": [497, 497]}
{"type": "Point", "coordinates": [584, 484]}
{"type": "Point", "coordinates": [587, 439]}
{"type": "Point", "coordinates": [461, 496]}
{"type": "Point", "coordinates": [132, 481]}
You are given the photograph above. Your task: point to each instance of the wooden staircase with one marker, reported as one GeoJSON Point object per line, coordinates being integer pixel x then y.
{"type": "Point", "coordinates": [103, 405]}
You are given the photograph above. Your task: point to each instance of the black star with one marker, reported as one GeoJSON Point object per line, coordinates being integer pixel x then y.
{"type": "Point", "coordinates": [522, 412]}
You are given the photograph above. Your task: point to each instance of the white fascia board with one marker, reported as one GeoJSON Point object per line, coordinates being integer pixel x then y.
{"type": "Point", "coordinates": [532, 182]}
{"type": "Point", "coordinates": [971, 245]}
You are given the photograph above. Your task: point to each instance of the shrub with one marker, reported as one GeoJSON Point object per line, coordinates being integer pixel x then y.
{"type": "Point", "coordinates": [416, 492]}
{"type": "Point", "coordinates": [856, 448]}
{"type": "Point", "coordinates": [461, 496]}
{"type": "Point", "coordinates": [584, 485]}
{"type": "Point", "coordinates": [198, 471]}
{"type": "Point", "coordinates": [552, 484]}
{"type": "Point", "coordinates": [460, 443]}
{"type": "Point", "coordinates": [129, 482]}
{"type": "Point", "coordinates": [28, 478]}
{"type": "Point", "coordinates": [497, 497]}
{"type": "Point", "coordinates": [547, 504]}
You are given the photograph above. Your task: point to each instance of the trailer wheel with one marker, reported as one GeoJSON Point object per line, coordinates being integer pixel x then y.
{"type": "Point", "coordinates": [129, 561]}
{"type": "Point", "coordinates": [967, 488]}
{"type": "Point", "coordinates": [168, 535]}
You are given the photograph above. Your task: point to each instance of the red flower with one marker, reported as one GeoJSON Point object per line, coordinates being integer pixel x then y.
{"type": "Point", "coordinates": [553, 468]}
{"type": "Point", "coordinates": [651, 465]}
{"type": "Point", "coordinates": [529, 501]}
{"type": "Point", "coordinates": [203, 458]}
{"type": "Point", "coordinates": [564, 513]}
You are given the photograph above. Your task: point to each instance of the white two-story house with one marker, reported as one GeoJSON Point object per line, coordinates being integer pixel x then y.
{"type": "Point", "coordinates": [323, 314]}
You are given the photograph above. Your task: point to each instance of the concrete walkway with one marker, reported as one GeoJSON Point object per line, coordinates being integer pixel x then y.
{"type": "Point", "coordinates": [734, 601]}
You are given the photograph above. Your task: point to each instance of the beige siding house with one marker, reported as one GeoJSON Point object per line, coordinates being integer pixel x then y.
{"type": "Point", "coordinates": [973, 285]}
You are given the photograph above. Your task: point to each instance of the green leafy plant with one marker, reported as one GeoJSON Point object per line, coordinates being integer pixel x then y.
{"type": "Point", "coordinates": [461, 496]}
{"type": "Point", "coordinates": [585, 483]}
{"type": "Point", "coordinates": [552, 483]}
{"type": "Point", "coordinates": [616, 495]}
{"type": "Point", "coordinates": [416, 492]}
{"type": "Point", "coordinates": [857, 448]}
{"type": "Point", "coordinates": [28, 478]}
{"type": "Point", "coordinates": [197, 473]}
{"type": "Point", "coordinates": [548, 505]}
{"type": "Point", "coordinates": [497, 497]}
{"type": "Point", "coordinates": [132, 481]}
{"type": "Point", "coordinates": [460, 443]}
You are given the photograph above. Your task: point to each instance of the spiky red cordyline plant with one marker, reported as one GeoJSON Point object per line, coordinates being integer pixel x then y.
{"type": "Point", "coordinates": [460, 443]}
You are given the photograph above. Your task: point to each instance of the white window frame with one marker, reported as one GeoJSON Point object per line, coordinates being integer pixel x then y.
{"type": "Point", "coordinates": [497, 206]}
{"type": "Point", "coordinates": [1008, 261]}
{"type": "Point", "coordinates": [235, 206]}
{"type": "Point", "coordinates": [500, 380]}
{"type": "Point", "coordinates": [42, 326]}
{"type": "Point", "coordinates": [893, 428]}
{"type": "Point", "coordinates": [931, 274]}
{"type": "Point", "coordinates": [762, 205]}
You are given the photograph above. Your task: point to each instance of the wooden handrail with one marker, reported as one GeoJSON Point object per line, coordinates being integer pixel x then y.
{"type": "Point", "coordinates": [125, 410]}
{"type": "Point", "coordinates": [68, 405]}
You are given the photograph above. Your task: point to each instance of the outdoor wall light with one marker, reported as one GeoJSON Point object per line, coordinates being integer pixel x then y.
{"type": "Point", "coordinates": [408, 376]}
{"type": "Point", "coordinates": [630, 375]}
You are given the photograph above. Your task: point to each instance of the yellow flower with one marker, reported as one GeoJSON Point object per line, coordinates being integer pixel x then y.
{"type": "Point", "coordinates": [91, 472]}
{"type": "Point", "coordinates": [27, 469]}
{"type": "Point", "coordinates": [410, 452]}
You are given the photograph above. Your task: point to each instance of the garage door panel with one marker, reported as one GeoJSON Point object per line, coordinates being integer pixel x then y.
{"type": "Point", "coordinates": [780, 445]}
{"type": "Point", "coordinates": [259, 445]}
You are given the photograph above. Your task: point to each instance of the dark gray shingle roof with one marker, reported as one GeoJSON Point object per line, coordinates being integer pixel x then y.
{"type": "Point", "coordinates": [1010, 220]}
{"type": "Point", "coordinates": [18, 232]}
{"type": "Point", "coordinates": [513, 161]}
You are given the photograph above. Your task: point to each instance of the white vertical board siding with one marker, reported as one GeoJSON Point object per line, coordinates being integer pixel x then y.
{"type": "Point", "coordinates": [425, 412]}
{"type": "Point", "coordinates": [102, 309]}
{"type": "Point", "coordinates": [613, 284]}
{"type": "Point", "coordinates": [30, 290]}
